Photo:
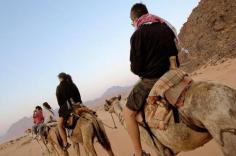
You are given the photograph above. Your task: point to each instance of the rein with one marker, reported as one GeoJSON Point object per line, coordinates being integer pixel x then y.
{"type": "Point", "coordinates": [43, 144]}
{"type": "Point", "coordinates": [114, 123]}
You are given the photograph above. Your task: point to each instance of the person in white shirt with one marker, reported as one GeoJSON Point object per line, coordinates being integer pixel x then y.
{"type": "Point", "coordinates": [49, 115]}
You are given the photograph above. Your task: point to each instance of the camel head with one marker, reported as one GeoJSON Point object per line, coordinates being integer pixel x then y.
{"type": "Point", "coordinates": [28, 131]}
{"type": "Point", "coordinates": [111, 103]}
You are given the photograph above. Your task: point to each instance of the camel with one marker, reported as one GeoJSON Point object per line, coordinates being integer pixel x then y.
{"type": "Point", "coordinates": [55, 142]}
{"type": "Point", "coordinates": [208, 105]}
{"type": "Point", "coordinates": [28, 131]}
{"type": "Point", "coordinates": [87, 128]}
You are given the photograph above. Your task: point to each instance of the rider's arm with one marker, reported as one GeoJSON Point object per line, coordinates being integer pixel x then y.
{"type": "Point", "coordinates": [34, 114]}
{"type": "Point", "coordinates": [59, 96]}
{"type": "Point", "coordinates": [78, 93]}
{"type": "Point", "coordinates": [136, 53]}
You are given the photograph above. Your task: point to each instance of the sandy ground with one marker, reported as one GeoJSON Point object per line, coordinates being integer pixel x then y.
{"type": "Point", "coordinates": [224, 73]}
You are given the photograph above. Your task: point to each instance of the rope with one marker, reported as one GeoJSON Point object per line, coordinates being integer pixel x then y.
{"type": "Point", "coordinates": [114, 123]}
{"type": "Point", "coordinates": [106, 125]}
{"type": "Point", "coordinates": [41, 147]}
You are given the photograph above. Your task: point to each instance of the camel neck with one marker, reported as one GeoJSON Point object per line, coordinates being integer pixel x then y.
{"type": "Point", "coordinates": [119, 112]}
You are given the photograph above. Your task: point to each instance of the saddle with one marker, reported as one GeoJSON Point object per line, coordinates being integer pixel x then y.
{"type": "Point", "coordinates": [45, 130]}
{"type": "Point", "coordinates": [77, 112]}
{"type": "Point", "coordinates": [166, 97]}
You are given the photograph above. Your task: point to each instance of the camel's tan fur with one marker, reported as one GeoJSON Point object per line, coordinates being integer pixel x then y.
{"type": "Point", "coordinates": [54, 142]}
{"type": "Point", "coordinates": [207, 104]}
{"type": "Point", "coordinates": [88, 127]}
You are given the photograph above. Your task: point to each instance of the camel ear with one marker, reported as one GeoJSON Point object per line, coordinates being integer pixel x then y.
{"type": "Point", "coordinates": [119, 97]}
{"type": "Point", "coordinates": [108, 102]}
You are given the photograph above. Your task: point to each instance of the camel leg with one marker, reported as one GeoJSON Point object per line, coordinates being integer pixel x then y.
{"type": "Point", "coordinates": [43, 150]}
{"type": "Point", "coordinates": [86, 151]}
{"type": "Point", "coordinates": [46, 147]}
{"type": "Point", "coordinates": [222, 127]}
{"type": "Point", "coordinates": [50, 149]}
{"type": "Point", "coordinates": [225, 137]}
{"type": "Point", "coordinates": [88, 146]}
{"type": "Point", "coordinates": [109, 151]}
{"type": "Point", "coordinates": [160, 149]}
{"type": "Point", "coordinates": [60, 151]}
{"type": "Point", "coordinates": [53, 149]}
{"type": "Point", "coordinates": [214, 106]}
{"type": "Point", "coordinates": [76, 148]}
{"type": "Point", "coordinates": [87, 132]}
{"type": "Point", "coordinates": [148, 140]}
{"type": "Point", "coordinates": [57, 149]}
{"type": "Point", "coordinates": [64, 153]}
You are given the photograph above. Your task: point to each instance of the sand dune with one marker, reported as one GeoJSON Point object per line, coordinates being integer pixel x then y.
{"type": "Point", "coordinates": [224, 73]}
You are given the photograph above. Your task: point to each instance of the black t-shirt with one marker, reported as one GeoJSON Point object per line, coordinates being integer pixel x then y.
{"type": "Point", "coordinates": [65, 91]}
{"type": "Point", "coordinates": [151, 47]}
{"type": "Point", "coordinates": [75, 93]}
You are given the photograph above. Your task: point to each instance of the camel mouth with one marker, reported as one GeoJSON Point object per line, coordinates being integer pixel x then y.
{"type": "Point", "coordinates": [106, 107]}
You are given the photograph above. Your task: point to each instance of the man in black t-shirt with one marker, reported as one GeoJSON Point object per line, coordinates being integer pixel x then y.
{"type": "Point", "coordinates": [152, 44]}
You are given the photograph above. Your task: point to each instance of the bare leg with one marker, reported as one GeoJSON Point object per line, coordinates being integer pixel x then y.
{"type": "Point", "coordinates": [133, 130]}
{"type": "Point", "coordinates": [34, 130]}
{"type": "Point", "coordinates": [109, 151]}
{"type": "Point", "coordinates": [62, 131]}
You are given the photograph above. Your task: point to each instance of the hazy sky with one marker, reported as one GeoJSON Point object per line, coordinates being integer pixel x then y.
{"type": "Point", "coordinates": [87, 39]}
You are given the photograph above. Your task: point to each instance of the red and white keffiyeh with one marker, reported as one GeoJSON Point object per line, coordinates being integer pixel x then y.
{"type": "Point", "coordinates": [149, 18]}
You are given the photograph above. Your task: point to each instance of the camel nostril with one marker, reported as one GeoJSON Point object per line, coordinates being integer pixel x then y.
{"type": "Point", "coordinates": [106, 107]}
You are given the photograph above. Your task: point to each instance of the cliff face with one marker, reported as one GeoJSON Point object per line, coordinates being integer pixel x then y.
{"type": "Point", "coordinates": [209, 34]}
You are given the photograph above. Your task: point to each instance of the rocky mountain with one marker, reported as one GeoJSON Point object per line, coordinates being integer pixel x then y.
{"type": "Point", "coordinates": [209, 34]}
{"type": "Point", "coordinates": [110, 92]}
{"type": "Point", "coordinates": [17, 129]}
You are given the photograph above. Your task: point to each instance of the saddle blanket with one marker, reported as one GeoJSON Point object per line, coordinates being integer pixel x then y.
{"type": "Point", "coordinates": [168, 90]}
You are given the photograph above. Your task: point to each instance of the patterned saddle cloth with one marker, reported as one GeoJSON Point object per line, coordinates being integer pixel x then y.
{"type": "Point", "coordinates": [168, 92]}
{"type": "Point", "coordinates": [77, 112]}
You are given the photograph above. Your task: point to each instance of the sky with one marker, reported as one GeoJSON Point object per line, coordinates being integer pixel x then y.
{"type": "Point", "coordinates": [90, 40]}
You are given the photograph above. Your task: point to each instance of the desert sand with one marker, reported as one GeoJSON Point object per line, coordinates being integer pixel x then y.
{"type": "Point", "coordinates": [222, 72]}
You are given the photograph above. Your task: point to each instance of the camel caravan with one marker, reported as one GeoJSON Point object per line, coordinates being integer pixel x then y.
{"type": "Point", "coordinates": [84, 127]}
{"type": "Point", "coordinates": [167, 109]}
{"type": "Point", "coordinates": [182, 116]}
